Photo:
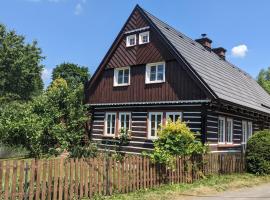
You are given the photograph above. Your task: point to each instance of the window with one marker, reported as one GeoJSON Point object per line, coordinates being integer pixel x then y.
{"type": "Point", "coordinates": [124, 120]}
{"type": "Point", "coordinates": [121, 76]}
{"type": "Point", "coordinates": [154, 123]}
{"type": "Point", "coordinates": [225, 130]}
{"type": "Point", "coordinates": [249, 130]}
{"type": "Point", "coordinates": [229, 129]}
{"type": "Point", "coordinates": [144, 37]}
{"type": "Point", "coordinates": [110, 122]}
{"type": "Point", "coordinates": [221, 130]}
{"type": "Point", "coordinates": [131, 40]}
{"type": "Point", "coordinates": [155, 72]}
{"type": "Point", "coordinates": [173, 116]}
{"type": "Point", "coordinates": [244, 132]}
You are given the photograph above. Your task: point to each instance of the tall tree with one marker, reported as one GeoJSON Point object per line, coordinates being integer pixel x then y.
{"type": "Point", "coordinates": [264, 79]}
{"type": "Point", "coordinates": [72, 73]}
{"type": "Point", "coordinates": [20, 67]}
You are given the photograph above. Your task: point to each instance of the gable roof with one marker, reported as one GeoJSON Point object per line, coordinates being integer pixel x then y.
{"type": "Point", "coordinates": [227, 81]}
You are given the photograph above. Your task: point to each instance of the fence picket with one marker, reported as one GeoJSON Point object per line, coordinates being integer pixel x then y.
{"type": "Point", "coordinates": [67, 179]}
{"type": "Point", "coordinates": [44, 180]}
{"type": "Point", "coordinates": [14, 180]}
{"type": "Point", "coordinates": [21, 179]}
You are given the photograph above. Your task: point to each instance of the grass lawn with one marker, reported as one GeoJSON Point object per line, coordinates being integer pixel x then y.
{"type": "Point", "coordinates": [210, 185]}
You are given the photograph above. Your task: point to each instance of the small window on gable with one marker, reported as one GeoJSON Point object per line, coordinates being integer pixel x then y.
{"type": "Point", "coordinates": [155, 73]}
{"type": "Point", "coordinates": [131, 40]}
{"type": "Point", "coordinates": [121, 76]}
{"type": "Point", "coordinates": [144, 37]}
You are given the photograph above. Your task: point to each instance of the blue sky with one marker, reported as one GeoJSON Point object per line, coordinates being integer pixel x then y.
{"type": "Point", "coordinates": [81, 31]}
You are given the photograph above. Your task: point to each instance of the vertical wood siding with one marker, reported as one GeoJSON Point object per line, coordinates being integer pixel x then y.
{"type": "Point", "coordinates": [178, 86]}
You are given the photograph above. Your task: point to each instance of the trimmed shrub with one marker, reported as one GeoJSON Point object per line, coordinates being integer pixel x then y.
{"type": "Point", "coordinates": [175, 139]}
{"type": "Point", "coordinates": [258, 153]}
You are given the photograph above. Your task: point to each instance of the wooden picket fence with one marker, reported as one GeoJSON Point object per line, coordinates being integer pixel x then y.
{"type": "Point", "coordinates": [83, 178]}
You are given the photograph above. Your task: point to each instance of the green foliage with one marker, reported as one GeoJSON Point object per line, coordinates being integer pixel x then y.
{"type": "Point", "coordinates": [20, 126]}
{"type": "Point", "coordinates": [175, 139]}
{"type": "Point", "coordinates": [20, 68]}
{"type": "Point", "coordinates": [72, 73]}
{"type": "Point", "coordinates": [84, 151]}
{"type": "Point", "coordinates": [258, 153]}
{"type": "Point", "coordinates": [264, 79]}
{"type": "Point", "coordinates": [52, 122]}
{"type": "Point", "coordinates": [13, 151]}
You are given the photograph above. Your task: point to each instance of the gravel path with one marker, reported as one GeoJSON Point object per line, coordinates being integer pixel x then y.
{"type": "Point", "coordinates": [258, 192]}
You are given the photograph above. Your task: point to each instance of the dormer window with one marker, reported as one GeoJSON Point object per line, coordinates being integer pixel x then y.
{"type": "Point", "coordinates": [131, 40]}
{"type": "Point", "coordinates": [155, 72]}
{"type": "Point", "coordinates": [121, 76]}
{"type": "Point", "coordinates": [144, 37]}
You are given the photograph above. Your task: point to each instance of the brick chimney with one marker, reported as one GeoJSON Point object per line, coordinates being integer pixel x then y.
{"type": "Point", "coordinates": [220, 51]}
{"type": "Point", "coordinates": [205, 41]}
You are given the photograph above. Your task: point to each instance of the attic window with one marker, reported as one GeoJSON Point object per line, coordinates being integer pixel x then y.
{"type": "Point", "coordinates": [144, 37]}
{"type": "Point", "coordinates": [121, 76]}
{"type": "Point", "coordinates": [131, 40]}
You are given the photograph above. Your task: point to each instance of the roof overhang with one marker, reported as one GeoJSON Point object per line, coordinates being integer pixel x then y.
{"type": "Point", "coordinates": [151, 103]}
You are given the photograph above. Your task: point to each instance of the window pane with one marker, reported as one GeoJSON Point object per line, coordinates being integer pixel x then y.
{"type": "Point", "coordinates": [160, 73]}
{"type": "Point", "coordinates": [145, 38]}
{"type": "Point", "coordinates": [153, 73]}
{"type": "Point", "coordinates": [131, 41]}
{"type": "Point", "coordinates": [229, 131]}
{"type": "Point", "coordinates": [171, 118]}
{"type": "Point", "coordinates": [108, 124]}
{"type": "Point", "coordinates": [113, 124]}
{"type": "Point", "coordinates": [122, 120]}
{"type": "Point", "coordinates": [158, 121]}
{"type": "Point", "coordinates": [177, 117]}
{"type": "Point", "coordinates": [153, 123]}
{"type": "Point", "coordinates": [126, 75]}
{"type": "Point", "coordinates": [127, 122]}
{"type": "Point", "coordinates": [220, 130]}
{"type": "Point", "coordinates": [120, 76]}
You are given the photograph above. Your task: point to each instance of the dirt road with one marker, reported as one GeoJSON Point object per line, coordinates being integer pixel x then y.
{"type": "Point", "coordinates": [260, 192]}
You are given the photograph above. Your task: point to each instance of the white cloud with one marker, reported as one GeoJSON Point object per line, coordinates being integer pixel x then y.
{"type": "Point", "coordinates": [46, 74]}
{"type": "Point", "coordinates": [78, 9]}
{"type": "Point", "coordinates": [240, 51]}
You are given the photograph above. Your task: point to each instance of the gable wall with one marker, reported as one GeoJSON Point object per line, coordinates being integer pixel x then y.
{"type": "Point", "coordinates": [178, 86]}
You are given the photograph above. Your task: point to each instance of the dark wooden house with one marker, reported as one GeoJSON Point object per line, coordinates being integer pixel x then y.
{"type": "Point", "coordinates": [153, 72]}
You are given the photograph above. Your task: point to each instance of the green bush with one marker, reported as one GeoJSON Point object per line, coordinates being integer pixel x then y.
{"type": "Point", "coordinates": [258, 153]}
{"type": "Point", "coordinates": [84, 151]}
{"type": "Point", "coordinates": [175, 139]}
{"type": "Point", "coordinates": [12, 151]}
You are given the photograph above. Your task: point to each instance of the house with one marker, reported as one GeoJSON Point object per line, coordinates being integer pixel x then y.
{"type": "Point", "coordinates": [153, 72]}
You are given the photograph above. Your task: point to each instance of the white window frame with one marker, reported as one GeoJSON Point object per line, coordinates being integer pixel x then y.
{"type": "Point", "coordinates": [244, 131]}
{"type": "Point", "coordinates": [141, 35]}
{"type": "Point", "coordinates": [105, 125]}
{"type": "Point", "coordinates": [156, 125]}
{"type": "Point", "coordinates": [173, 113]}
{"type": "Point", "coordinates": [119, 120]}
{"type": "Point", "coordinates": [148, 71]}
{"type": "Point", "coordinates": [249, 130]}
{"type": "Point", "coordinates": [224, 130]}
{"type": "Point", "coordinates": [128, 40]}
{"type": "Point", "coordinates": [116, 73]}
{"type": "Point", "coordinates": [231, 131]}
